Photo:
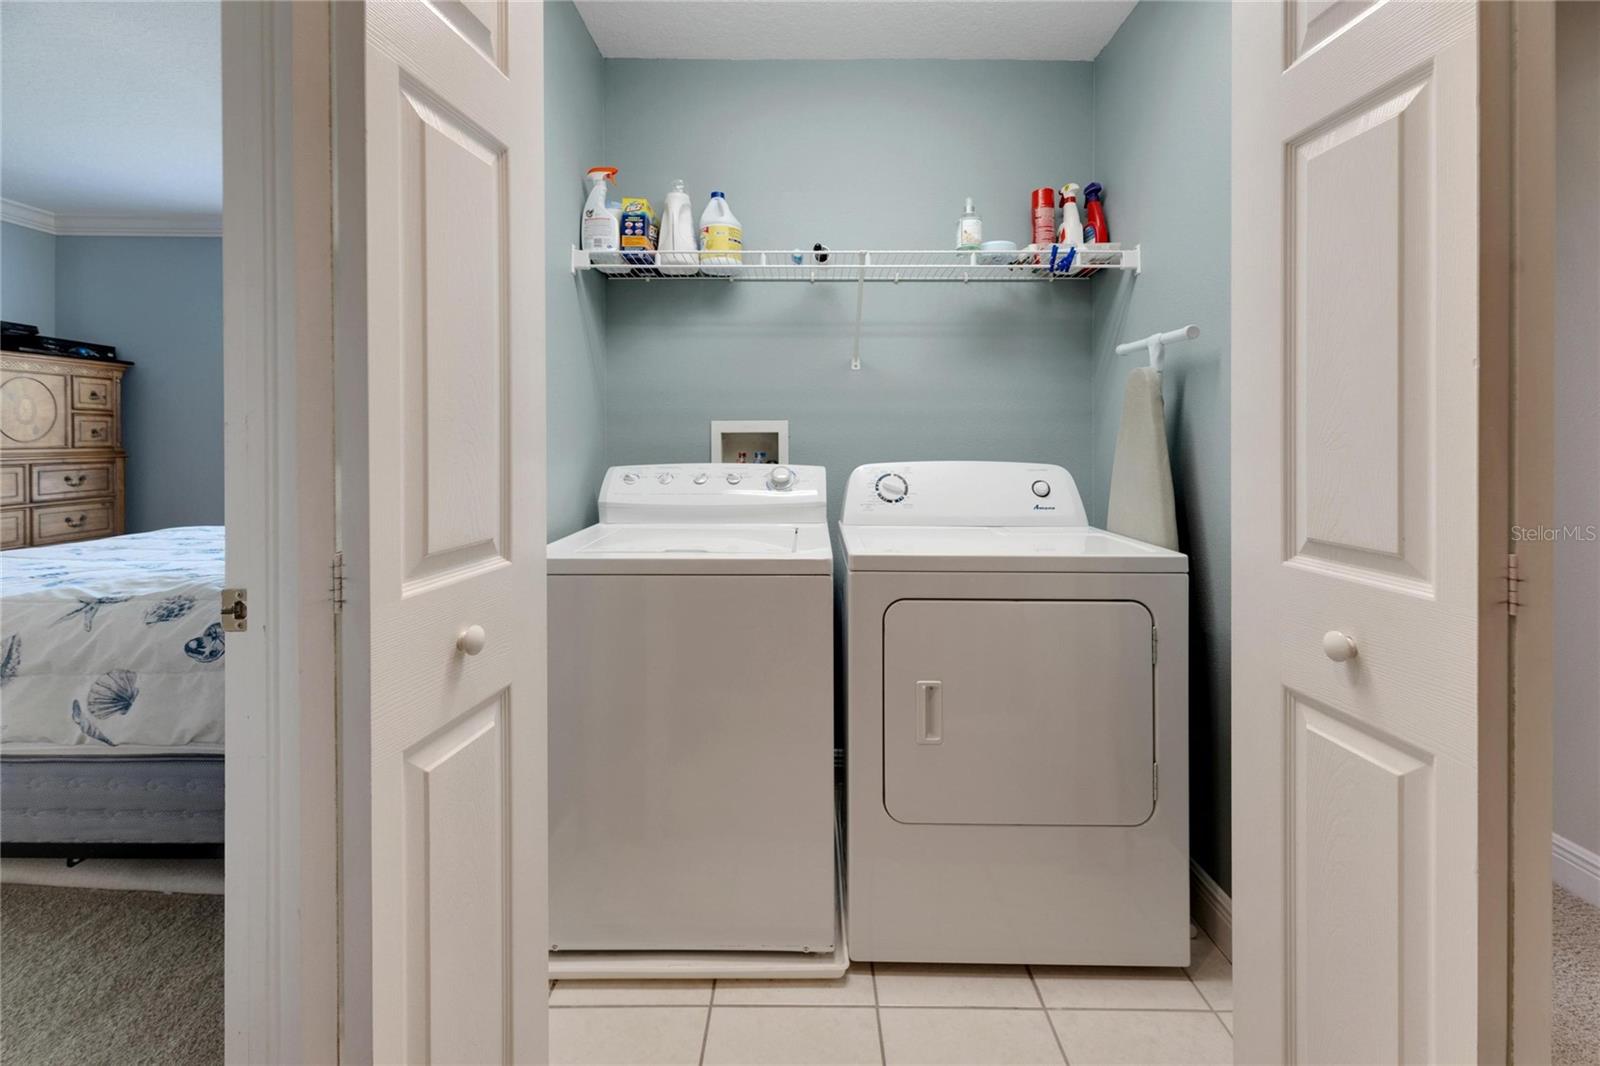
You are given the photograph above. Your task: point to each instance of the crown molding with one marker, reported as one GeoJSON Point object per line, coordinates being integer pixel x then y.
{"type": "Point", "coordinates": [153, 224]}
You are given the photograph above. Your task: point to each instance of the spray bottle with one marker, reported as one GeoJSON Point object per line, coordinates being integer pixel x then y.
{"type": "Point", "coordinates": [602, 229]}
{"type": "Point", "coordinates": [1095, 229]}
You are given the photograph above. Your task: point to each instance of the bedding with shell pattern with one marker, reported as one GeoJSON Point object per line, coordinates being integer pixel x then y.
{"type": "Point", "coordinates": [113, 646]}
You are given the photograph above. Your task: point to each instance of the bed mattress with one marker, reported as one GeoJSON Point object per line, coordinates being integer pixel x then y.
{"type": "Point", "coordinates": [143, 799]}
{"type": "Point", "coordinates": [114, 644]}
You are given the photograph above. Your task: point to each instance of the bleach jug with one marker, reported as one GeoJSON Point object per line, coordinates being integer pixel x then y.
{"type": "Point", "coordinates": [721, 237]}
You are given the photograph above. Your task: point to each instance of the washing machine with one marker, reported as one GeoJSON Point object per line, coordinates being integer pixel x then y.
{"type": "Point", "coordinates": [691, 715]}
{"type": "Point", "coordinates": [1018, 724]}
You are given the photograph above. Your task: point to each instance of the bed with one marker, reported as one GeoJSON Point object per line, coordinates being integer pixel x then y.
{"type": "Point", "coordinates": [111, 695]}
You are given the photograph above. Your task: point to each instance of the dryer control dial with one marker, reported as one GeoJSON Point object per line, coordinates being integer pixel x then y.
{"type": "Point", "coordinates": [781, 479]}
{"type": "Point", "coordinates": [1041, 489]}
{"type": "Point", "coordinates": [892, 488]}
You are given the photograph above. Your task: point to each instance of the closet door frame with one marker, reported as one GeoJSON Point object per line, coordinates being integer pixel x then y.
{"type": "Point", "coordinates": [281, 925]}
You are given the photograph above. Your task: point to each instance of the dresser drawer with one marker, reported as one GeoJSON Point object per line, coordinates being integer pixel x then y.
{"type": "Point", "coordinates": [71, 521]}
{"type": "Point", "coordinates": [92, 431]}
{"type": "Point", "coordinates": [71, 481]}
{"type": "Point", "coordinates": [13, 484]}
{"type": "Point", "coordinates": [11, 529]}
{"type": "Point", "coordinates": [91, 394]}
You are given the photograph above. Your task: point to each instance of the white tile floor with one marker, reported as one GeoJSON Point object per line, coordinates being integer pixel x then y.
{"type": "Point", "coordinates": [901, 1015]}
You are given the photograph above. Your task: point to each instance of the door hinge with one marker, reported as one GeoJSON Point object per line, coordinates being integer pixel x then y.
{"type": "Point", "coordinates": [235, 610]}
{"type": "Point", "coordinates": [1155, 644]}
{"type": "Point", "coordinates": [1513, 579]}
{"type": "Point", "coordinates": [336, 582]}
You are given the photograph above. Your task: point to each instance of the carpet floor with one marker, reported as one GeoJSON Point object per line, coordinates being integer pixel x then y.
{"type": "Point", "coordinates": [141, 983]}
{"type": "Point", "coordinates": [1576, 1029]}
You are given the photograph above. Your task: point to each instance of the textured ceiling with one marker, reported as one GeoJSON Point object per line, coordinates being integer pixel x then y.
{"type": "Point", "coordinates": [111, 108]}
{"type": "Point", "coordinates": [852, 29]}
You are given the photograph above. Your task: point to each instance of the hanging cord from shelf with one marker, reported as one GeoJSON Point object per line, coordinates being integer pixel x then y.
{"type": "Point", "coordinates": [1156, 344]}
{"type": "Point", "coordinates": [861, 299]}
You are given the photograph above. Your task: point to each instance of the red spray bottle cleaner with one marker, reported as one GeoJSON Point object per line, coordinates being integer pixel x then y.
{"type": "Point", "coordinates": [1095, 230]}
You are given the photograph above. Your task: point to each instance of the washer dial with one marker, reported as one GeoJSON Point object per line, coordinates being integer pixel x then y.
{"type": "Point", "coordinates": [891, 488]}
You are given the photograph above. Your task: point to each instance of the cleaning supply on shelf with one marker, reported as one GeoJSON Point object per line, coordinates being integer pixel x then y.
{"type": "Point", "coordinates": [678, 244]}
{"type": "Point", "coordinates": [638, 227]}
{"type": "Point", "coordinates": [1044, 216]}
{"type": "Point", "coordinates": [602, 229]}
{"type": "Point", "coordinates": [1095, 229]}
{"type": "Point", "coordinates": [969, 229]}
{"type": "Point", "coordinates": [1069, 236]}
{"type": "Point", "coordinates": [721, 237]}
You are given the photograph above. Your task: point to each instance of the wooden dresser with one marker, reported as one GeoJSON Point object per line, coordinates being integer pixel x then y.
{"type": "Point", "coordinates": [61, 460]}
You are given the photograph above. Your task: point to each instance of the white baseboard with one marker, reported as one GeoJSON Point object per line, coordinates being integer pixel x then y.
{"type": "Point", "coordinates": [1575, 868]}
{"type": "Point", "coordinates": [1212, 909]}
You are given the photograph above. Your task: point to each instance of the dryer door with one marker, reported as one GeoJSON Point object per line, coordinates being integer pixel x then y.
{"type": "Point", "coordinates": [1018, 712]}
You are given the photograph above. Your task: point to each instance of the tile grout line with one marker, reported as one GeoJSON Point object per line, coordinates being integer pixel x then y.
{"type": "Point", "coordinates": [877, 1013]}
{"type": "Point", "coordinates": [1051, 1022]}
{"type": "Point", "coordinates": [705, 1034]}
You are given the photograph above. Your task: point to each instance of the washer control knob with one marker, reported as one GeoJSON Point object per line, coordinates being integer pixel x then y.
{"type": "Point", "coordinates": [700, 479]}
{"type": "Point", "coordinates": [665, 478]}
{"type": "Point", "coordinates": [1041, 489]}
{"type": "Point", "coordinates": [629, 479]}
{"type": "Point", "coordinates": [892, 488]}
{"type": "Point", "coordinates": [781, 478]}
{"type": "Point", "coordinates": [734, 478]}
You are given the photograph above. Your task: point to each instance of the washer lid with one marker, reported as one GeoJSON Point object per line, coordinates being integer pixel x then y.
{"type": "Point", "coordinates": [701, 548]}
{"type": "Point", "coordinates": [1050, 549]}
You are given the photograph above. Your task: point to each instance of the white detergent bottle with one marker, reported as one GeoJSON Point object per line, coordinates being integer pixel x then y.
{"type": "Point", "coordinates": [602, 227]}
{"type": "Point", "coordinates": [721, 237]}
{"type": "Point", "coordinates": [677, 244]}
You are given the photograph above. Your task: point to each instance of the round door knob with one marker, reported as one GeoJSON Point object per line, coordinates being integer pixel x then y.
{"type": "Point", "coordinates": [471, 640]}
{"type": "Point", "coordinates": [781, 478]}
{"type": "Point", "coordinates": [1338, 647]}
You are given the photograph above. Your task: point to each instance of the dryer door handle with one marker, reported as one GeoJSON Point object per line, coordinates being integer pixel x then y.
{"type": "Point", "coordinates": [930, 712]}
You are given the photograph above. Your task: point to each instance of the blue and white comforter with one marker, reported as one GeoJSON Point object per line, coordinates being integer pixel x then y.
{"type": "Point", "coordinates": [113, 644]}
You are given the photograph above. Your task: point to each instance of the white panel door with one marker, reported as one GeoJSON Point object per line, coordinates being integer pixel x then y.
{"type": "Point", "coordinates": [1355, 482]}
{"type": "Point", "coordinates": [455, 491]}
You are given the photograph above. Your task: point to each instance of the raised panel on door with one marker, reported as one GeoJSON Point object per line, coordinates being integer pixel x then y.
{"type": "Point", "coordinates": [1312, 23]}
{"type": "Point", "coordinates": [452, 187]}
{"type": "Point", "coordinates": [455, 825]}
{"type": "Point", "coordinates": [1363, 913]}
{"type": "Point", "coordinates": [1018, 712]}
{"type": "Point", "coordinates": [1361, 303]}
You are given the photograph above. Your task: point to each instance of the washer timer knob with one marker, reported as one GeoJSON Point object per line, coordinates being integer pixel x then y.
{"type": "Point", "coordinates": [734, 478]}
{"type": "Point", "coordinates": [629, 479]}
{"type": "Point", "coordinates": [700, 479]}
{"type": "Point", "coordinates": [665, 477]}
{"type": "Point", "coordinates": [1041, 489]}
{"type": "Point", "coordinates": [781, 478]}
{"type": "Point", "coordinates": [892, 488]}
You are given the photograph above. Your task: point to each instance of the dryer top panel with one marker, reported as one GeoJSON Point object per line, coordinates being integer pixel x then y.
{"type": "Point", "coordinates": [714, 492]}
{"type": "Point", "coordinates": [962, 494]}
{"type": "Point", "coordinates": [1078, 550]}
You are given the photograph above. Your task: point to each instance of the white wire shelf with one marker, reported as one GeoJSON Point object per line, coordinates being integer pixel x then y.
{"type": "Point", "coordinates": [860, 266]}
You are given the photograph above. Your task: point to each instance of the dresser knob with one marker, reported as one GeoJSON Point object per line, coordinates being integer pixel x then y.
{"type": "Point", "coordinates": [78, 524]}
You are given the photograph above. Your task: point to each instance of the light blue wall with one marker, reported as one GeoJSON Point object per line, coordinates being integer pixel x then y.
{"type": "Point", "coordinates": [1161, 92]}
{"type": "Point", "coordinates": [575, 310]}
{"type": "Point", "coordinates": [28, 277]}
{"type": "Point", "coordinates": [159, 300]}
{"type": "Point", "coordinates": [852, 154]}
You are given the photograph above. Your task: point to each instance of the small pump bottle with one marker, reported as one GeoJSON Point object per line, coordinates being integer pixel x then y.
{"type": "Point", "coordinates": [969, 231]}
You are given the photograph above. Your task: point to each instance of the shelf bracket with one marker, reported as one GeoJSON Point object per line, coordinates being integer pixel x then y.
{"type": "Point", "coordinates": [580, 260]}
